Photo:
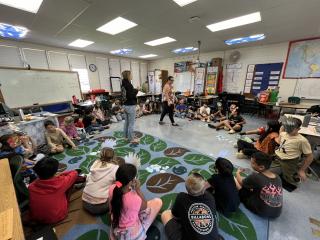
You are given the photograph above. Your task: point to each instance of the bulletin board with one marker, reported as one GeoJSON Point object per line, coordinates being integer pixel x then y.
{"type": "Point", "coordinates": [211, 80]}
{"type": "Point", "coordinates": [261, 77]}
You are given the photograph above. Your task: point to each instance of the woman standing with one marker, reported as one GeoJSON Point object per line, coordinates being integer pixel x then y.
{"type": "Point", "coordinates": [168, 99]}
{"type": "Point", "coordinates": [130, 100]}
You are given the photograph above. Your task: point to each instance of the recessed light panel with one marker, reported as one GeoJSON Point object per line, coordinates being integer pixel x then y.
{"type": "Point", "coordinates": [184, 50]}
{"type": "Point", "coordinates": [122, 51]}
{"type": "Point", "coordinates": [116, 26]}
{"type": "Point", "coordinates": [148, 56]}
{"type": "Point", "coordinates": [160, 41]}
{"type": "Point", "coordinates": [80, 43]}
{"type": "Point", "coordinates": [252, 38]}
{"type": "Point", "coordinates": [25, 5]}
{"type": "Point", "coordinates": [182, 3]}
{"type": "Point", "coordinates": [11, 31]}
{"type": "Point", "coordinates": [235, 22]}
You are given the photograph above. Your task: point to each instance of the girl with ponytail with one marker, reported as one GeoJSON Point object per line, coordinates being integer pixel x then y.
{"type": "Point", "coordinates": [131, 214]}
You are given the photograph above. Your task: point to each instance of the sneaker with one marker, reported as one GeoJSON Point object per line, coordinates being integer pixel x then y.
{"type": "Point", "coordinates": [175, 124]}
{"type": "Point", "coordinates": [232, 131]}
{"type": "Point", "coordinates": [240, 155]}
{"type": "Point", "coordinates": [161, 123]}
{"type": "Point", "coordinates": [211, 126]}
{"type": "Point", "coordinates": [242, 133]}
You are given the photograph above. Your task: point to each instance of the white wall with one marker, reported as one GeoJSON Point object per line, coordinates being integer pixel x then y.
{"type": "Point", "coordinates": [250, 55]}
{"type": "Point", "coordinates": [17, 54]}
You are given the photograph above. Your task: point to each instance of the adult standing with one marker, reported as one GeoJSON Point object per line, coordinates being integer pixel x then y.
{"type": "Point", "coordinates": [168, 99]}
{"type": "Point", "coordinates": [129, 94]}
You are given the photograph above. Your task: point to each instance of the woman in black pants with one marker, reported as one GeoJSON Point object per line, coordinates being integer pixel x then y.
{"type": "Point", "coordinates": [168, 101]}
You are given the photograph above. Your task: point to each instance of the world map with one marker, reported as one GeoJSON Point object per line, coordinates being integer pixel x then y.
{"type": "Point", "coordinates": [303, 59]}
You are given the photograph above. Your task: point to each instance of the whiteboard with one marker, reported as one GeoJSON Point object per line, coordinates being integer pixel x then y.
{"type": "Point", "coordinates": [308, 88]}
{"type": "Point", "coordinates": [183, 82]}
{"type": "Point", "coordinates": [21, 87]}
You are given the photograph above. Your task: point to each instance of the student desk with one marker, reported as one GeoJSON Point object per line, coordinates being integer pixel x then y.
{"type": "Point", "coordinates": [309, 132]}
{"type": "Point", "coordinates": [8, 198]}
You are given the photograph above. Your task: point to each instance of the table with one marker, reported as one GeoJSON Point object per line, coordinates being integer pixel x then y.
{"type": "Point", "coordinates": [205, 99]}
{"type": "Point", "coordinates": [284, 105]}
{"type": "Point", "coordinates": [34, 128]}
{"type": "Point", "coordinates": [8, 198]}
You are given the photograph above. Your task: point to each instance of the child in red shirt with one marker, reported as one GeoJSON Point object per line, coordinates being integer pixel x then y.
{"type": "Point", "coordinates": [48, 194]}
{"type": "Point", "coordinates": [78, 122]}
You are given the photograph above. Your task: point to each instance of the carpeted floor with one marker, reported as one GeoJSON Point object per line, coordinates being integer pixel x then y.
{"type": "Point", "coordinates": [173, 164]}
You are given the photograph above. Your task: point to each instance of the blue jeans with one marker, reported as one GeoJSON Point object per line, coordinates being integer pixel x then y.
{"type": "Point", "coordinates": [129, 117]}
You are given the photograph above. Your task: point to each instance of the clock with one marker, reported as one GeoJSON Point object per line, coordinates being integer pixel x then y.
{"type": "Point", "coordinates": [92, 67]}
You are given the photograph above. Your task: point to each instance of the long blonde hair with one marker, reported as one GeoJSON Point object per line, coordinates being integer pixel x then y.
{"type": "Point", "coordinates": [126, 75]}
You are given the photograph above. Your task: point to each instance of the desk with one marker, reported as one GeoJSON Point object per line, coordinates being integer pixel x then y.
{"type": "Point", "coordinates": [270, 105]}
{"type": "Point", "coordinates": [309, 132]}
{"type": "Point", "coordinates": [204, 99]}
{"type": "Point", "coordinates": [8, 198]}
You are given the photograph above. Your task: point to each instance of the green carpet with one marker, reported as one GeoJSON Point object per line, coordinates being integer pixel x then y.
{"type": "Point", "coordinates": [166, 184]}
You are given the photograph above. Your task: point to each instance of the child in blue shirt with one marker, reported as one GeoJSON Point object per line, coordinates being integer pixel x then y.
{"type": "Point", "coordinates": [181, 109]}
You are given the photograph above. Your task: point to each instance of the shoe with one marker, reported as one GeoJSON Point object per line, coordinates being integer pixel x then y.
{"type": "Point", "coordinates": [218, 129]}
{"type": "Point", "coordinates": [232, 131]}
{"type": "Point", "coordinates": [161, 123]}
{"type": "Point", "coordinates": [211, 126]}
{"type": "Point", "coordinates": [235, 145]}
{"type": "Point", "coordinates": [242, 133]}
{"type": "Point", "coordinates": [240, 155]}
{"type": "Point", "coordinates": [175, 124]}
{"type": "Point", "coordinates": [226, 128]}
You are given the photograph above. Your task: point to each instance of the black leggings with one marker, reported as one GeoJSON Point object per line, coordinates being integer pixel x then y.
{"type": "Point", "coordinates": [167, 109]}
{"type": "Point", "coordinates": [248, 149]}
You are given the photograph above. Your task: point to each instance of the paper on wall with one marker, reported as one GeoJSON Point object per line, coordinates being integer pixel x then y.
{"type": "Point", "coordinates": [247, 89]}
{"type": "Point", "coordinates": [274, 77]}
{"type": "Point", "coordinates": [258, 73]}
{"type": "Point", "coordinates": [256, 88]}
{"type": "Point", "coordinates": [256, 83]}
{"type": "Point", "coordinates": [249, 75]}
{"type": "Point", "coordinates": [273, 83]}
{"type": "Point", "coordinates": [275, 72]}
{"type": "Point", "coordinates": [251, 68]}
{"type": "Point", "coordinates": [248, 81]}
{"type": "Point", "coordinates": [258, 78]}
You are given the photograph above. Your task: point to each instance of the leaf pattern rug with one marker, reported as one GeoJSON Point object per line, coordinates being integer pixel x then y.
{"type": "Point", "coordinates": [79, 225]}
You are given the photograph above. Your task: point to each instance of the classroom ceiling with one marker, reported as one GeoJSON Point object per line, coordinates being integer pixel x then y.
{"type": "Point", "coordinates": [59, 22]}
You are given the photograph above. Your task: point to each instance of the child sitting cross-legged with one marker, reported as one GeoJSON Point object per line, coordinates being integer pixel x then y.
{"type": "Point", "coordinates": [147, 108]}
{"type": "Point", "coordinates": [233, 124]}
{"type": "Point", "coordinates": [193, 214]}
{"type": "Point", "coordinates": [261, 192]}
{"type": "Point", "coordinates": [56, 138]}
{"type": "Point", "coordinates": [181, 109]}
{"type": "Point", "coordinates": [70, 129]}
{"type": "Point", "coordinates": [267, 142]}
{"type": "Point", "coordinates": [102, 175]}
{"type": "Point", "coordinates": [204, 113]}
{"type": "Point", "coordinates": [131, 213]}
{"type": "Point", "coordinates": [224, 188]}
{"type": "Point", "coordinates": [49, 194]}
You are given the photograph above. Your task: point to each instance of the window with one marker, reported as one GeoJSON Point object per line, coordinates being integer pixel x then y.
{"type": "Point", "coordinates": [84, 78]}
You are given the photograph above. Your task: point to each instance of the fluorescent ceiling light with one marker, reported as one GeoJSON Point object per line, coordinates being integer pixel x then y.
{"type": "Point", "coordinates": [185, 50]}
{"type": "Point", "coordinates": [252, 38]}
{"type": "Point", "coordinates": [122, 51]}
{"type": "Point", "coordinates": [235, 22]}
{"type": "Point", "coordinates": [148, 56]}
{"type": "Point", "coordinates": [160, 41]}
{"type": "Point", "coordinates": [80, 43]}
{"type": "Point", "coordinates": [182, 3]}
{"type": "Point", "coordinates": [116, 26]}
{"type": "Point", "coordinates": [25, 5]}
{"type": "Point", "coordinates": [11, 31]}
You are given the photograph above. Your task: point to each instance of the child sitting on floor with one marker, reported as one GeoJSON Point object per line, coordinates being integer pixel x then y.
{"type": "Point", "coordinates": [102, 175]}
{"type": "Point", "coordinates": [48, 194]}
{"type": "Point", "coordinates": [193, 214]}
{"type": "Point", "coordinates": [139, 110]}
{"type": "Point", "coordinates": [99, 115]}
{"type": "Point", "coordinates": [261, 192]}
{"type": "Point", "coordinates": [219, 113]}
{"type": "Point", "coordinates": [78, 122]}
{"type": "Point", "coordinates": [90, 123]}
{"type": "Point", "coordinates": [224, 187]}
{"type": "Point", "coordinates": [70, 129]}
{"type": "Point", "coordinates": [192, 112]}
{"type": "Point", "coordinates": [267, 142]}
{"type": "Point", "coordinates": [233, 124]}
{"type": "Point", "coordinates": [181, 109]}
{"type": "Point", "coordinates": [117, 112]}
{"type": "Point", "coordinates": [204, 113]}
{"type": "Point", "coordinates": [56, 138]}
{"type": "Point", "coordinates": [131, 213]}
{"type": "Point", "coordinates": [147, 108]}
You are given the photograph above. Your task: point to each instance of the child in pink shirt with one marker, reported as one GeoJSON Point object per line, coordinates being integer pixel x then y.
{"type": "Point", "coordinates": [131, 214]}
{"type": "Point", "coordinates": [70, 129]}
